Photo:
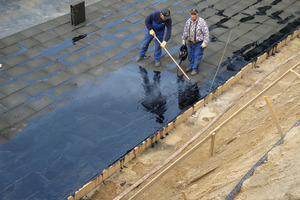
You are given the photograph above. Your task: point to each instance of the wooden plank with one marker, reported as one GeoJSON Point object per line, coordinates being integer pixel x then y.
{"type": "Point", "coordinates": [161, 133]}
{"type": "Point", "coordinates": [190, 111]}
{"type": "Point", "coordinates": [115, 167]}
{"type": "Point", "coordinates": [198, 105]}
{"type": "Point", "coordinates": [208, 98]}
{"type": "Point", "coordinates": [226, 84]}
{"type": "Point", "coordinates": [71, 198]}
{"type": "Point", "coordinates": [271, 52]}
{"type": "Point", "coordinates": [148, 142]}
{"type": "Point", "coordinates": [183, 116]}
{"type": "Point", "coordinates": [143, 146]}
{"type": "Point", "coordinates": [99, 179]}
{"type": "Point", "coordinates": [288, 39]}
{"type": "Point", "coordinates": [237, 77]}
{"type": "Point", "coordinates": [230, 81]}
{"type": "Point", "coordinates": [247, 68]}
{"type": "Point", "coordinates": [279, 45]}
{"type": "Point", "coordinates": [85, 189]}
{"type": "Point", "coordinates": [137, 150]}
{"type": "Point", "coordinates": [218, 91]}
{"type": "Point", "coordinates": [170, 126]}
{"type": "Point", "coordinates": [105, 174]}
{"type": "Point", "coordinates": [164, 132]}
{"type": "Point", "coordinates": [179, 119]}
{"type": "Point", "coordinates": [295, 34]}
{"type": "Point", "coordinates": [129, 157]}
{"type": "Point", "coordinates": [261, 58]}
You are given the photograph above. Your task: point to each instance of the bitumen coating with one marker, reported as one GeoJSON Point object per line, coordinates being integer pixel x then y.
{"type": "Point", "coordinates": [73, 100]}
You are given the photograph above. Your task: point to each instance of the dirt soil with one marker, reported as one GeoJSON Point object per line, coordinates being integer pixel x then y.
{"type": "Point", "coordinates": [238, 145]}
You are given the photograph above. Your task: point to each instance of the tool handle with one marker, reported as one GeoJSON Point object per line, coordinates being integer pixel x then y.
{"type": "Point", "coordinates": [173, 59]}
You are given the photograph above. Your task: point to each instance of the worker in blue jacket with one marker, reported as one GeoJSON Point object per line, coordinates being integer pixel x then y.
{"type": "Point", "coordinates": [156, 22]}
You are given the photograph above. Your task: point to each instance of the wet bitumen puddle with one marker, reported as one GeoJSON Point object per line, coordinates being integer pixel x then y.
{"type": "Point", "coordinates": [60, 146]}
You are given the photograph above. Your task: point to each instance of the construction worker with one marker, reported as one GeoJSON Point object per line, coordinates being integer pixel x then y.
{"type": "Point", "coordinates": [156, 22]}
{"type": "Point", "coordinates": [197, 35]}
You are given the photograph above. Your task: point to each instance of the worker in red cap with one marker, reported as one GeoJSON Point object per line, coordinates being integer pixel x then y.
{"type": "Point", "coordinates": [156, 23]}
{"type": "Point", "coordinates": [196, 36]}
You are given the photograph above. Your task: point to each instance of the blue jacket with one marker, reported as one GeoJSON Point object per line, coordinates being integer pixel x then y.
{"type": "Point", "coordinates": [157, 19]}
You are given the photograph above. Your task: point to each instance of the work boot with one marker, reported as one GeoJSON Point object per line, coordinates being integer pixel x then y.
{"type": "Point", "coordinates": [157, 63]}
{"type": "Point", "coordinates": [194, 73]}
{"type": "Point", "coordinates": [140, 58]}
{"type": "Point", "coordinates": [188, 69]}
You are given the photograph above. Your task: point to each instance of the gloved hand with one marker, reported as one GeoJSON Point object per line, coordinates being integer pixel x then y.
{"type": "Point", "coordinates": [183, 42]}
{"type": "Point", "coordinates": [163, 44]}
{"type": "Point", "coordinates": [204, 45]}
{"type": "Point", "coordinates": [152, 32]}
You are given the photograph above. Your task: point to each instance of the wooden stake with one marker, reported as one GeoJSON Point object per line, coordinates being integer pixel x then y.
{"type": "Point", "coordinates": [184, 196]}
{"type": "Point", "coordinates": [273, 115]}
{"type": "Point", "coordinates": [212, 144]}
{"type": "Point", "coordinates": [173, 59]}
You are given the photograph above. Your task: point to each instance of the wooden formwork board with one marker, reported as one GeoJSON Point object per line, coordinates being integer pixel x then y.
{"type": "Point", "coordinates": [85, 189]}
{"type": "Point", "coordinates": [155, 138]}
{"type": "Point", "coordinates": [261, 58]}
{"type": "Point", "coordinates": [129, 157]}
{"type": "Point", "coordinates": [271, 52]}
{"type": "Point", "coordinates": [171, 125]}
{"type": "Point", "coordinates": [289, 38]}
{"type": "Point", "coordinates": [238, 76]}
{"type": "Point", "coordinates": [105, 174]}
{"type": "Point", "coordinates": [142, 147]}
{"type": "Point", "coordinates": [208, 98]}
{"type": "Point", "coordinates": [247, 68]}
{"type": "Point", "coordinates": [198, 105]}
{"type": "Point", "coordinates": [279, 45]}
{"type": "Point", "coordinates": [183, 116]}
{"type": "Point", "coordinates": [136, 151]}
{"type": "Point", "coordinates": [228, 83]}
{"type": "Point", "coordinates": [218, 91]}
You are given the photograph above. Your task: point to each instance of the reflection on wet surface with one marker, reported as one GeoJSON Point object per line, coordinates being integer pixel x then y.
{"type": "Point", "coordinates": [188, 93]}
{"type": "Point", "coordinates": [154, 102]}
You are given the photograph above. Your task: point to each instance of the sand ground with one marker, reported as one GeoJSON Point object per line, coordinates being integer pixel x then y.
{"type": "Point", "coordinates": [238, 145]}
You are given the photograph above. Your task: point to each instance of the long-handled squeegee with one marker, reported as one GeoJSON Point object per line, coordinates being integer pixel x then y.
{"type": "Point", "coordinates": [173, 59]}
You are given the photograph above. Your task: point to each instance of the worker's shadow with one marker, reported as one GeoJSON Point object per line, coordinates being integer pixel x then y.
{"type": "Point", "coordinates": [153, 102]}
{"type": "Point", "coordinates": [188, 93]}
